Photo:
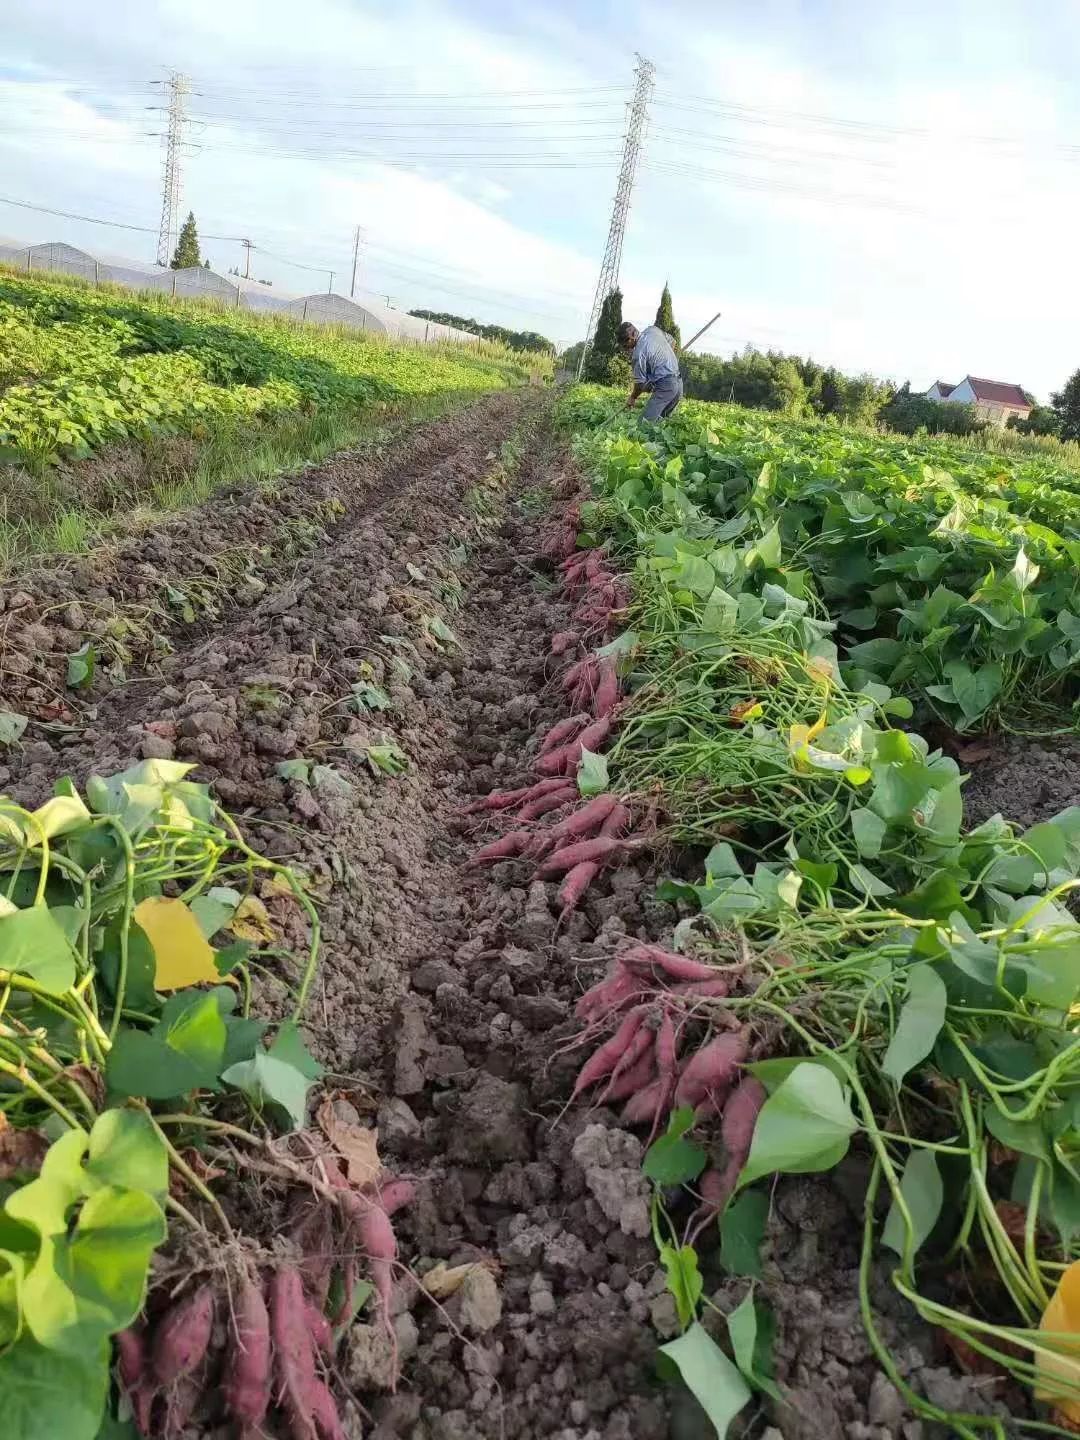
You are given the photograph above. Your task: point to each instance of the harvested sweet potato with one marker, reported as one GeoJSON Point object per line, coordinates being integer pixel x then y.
{"type": "Point", "coordinates": [294, 1353]}
{"type": "Point", "coordinates": [711, 1072]}
{"type": "Point", "coordinates": [246, 1380]}
{"type": "Point", "coordinates": [182, 1335]}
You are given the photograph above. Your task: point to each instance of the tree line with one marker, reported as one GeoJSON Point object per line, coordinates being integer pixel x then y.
{"type": "Point", "coordinates": [515, 339]}
{"type": "Point", "coordinates": [761, 380]}
{"type": "Point", "coordinates": [792, 385]}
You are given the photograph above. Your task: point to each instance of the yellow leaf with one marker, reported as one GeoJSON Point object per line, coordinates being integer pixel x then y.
{"type": "Point", "coordinates": [442, 1280]}
{"type": "Point", "coordinates": [1058, 1377]}
{"type": "Point", "coordinates": [61, 813]}
{"type": "Point", "coordinates": [858, 775]}
{"type": "Point", "coordinates": [252, 922]}
{"type": "Point", "coordinates": [820, 669]}
{"type": "Point", "coordinates": [182, 956]}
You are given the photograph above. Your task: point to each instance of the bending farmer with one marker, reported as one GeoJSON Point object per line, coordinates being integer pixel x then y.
{"type": "Point", "coordinates": [654, 367]}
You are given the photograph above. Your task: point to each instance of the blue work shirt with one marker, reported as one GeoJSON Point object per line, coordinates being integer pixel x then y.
{"type": "Point", "coordinates": [653, 359]}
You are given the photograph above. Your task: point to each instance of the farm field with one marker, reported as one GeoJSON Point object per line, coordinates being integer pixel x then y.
{"type": "Point", "coordinates": [186, 396]}
{"type": "Point", "coordinates": [582, 808]}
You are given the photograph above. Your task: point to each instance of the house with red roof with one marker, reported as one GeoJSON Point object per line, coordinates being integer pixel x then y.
{"type": "Point", "coordinates": [994, 400]}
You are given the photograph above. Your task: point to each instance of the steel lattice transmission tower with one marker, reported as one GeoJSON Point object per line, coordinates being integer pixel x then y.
{"type": "Point", "coordinates": [609, 269]}
{"type": "Point", "coordinates": [177, 89]}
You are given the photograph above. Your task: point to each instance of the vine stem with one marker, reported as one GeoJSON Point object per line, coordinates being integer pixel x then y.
{"type": "Point", "coordinates": [921, 1406]}
{"type": "Point", "coordinates": [277, 1165]}
{"type": "Point", "coordinates": [302, 900]}
{"type": "Point", "coordinates": [125, 926]}
{"type": "Point", "coordinates": [23, 1076]}
{"type": "Point", "coordinates": [179, 1163]}
{"type": "Point", "coordinates": [171, 1203]}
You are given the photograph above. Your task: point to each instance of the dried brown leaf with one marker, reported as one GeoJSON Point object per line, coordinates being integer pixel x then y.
{"type": "Point", "coordinates": [89, 1081]}
{"type": "Point", "coordinates": [252, 922]}
{"type": "Point", "coordinates": [975, 750]}
{"type": "Point", "coordinates": [20, 1150]}
{"type": "Point", "coordinates": [357, 1144]}
{"type": "Point", "coordinates": [442, 1280]}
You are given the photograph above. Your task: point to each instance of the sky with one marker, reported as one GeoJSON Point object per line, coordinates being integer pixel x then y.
{"type": "Point", "coordinates": [891, 189]}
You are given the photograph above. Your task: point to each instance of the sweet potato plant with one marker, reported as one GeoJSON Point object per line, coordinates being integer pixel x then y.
{"type": "Point", "coordinates": [133, 1074]}
{"type": "Point", "coordinates": [885, 977]}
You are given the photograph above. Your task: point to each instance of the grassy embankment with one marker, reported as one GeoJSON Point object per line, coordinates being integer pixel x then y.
{"type": "Point", "coordinates": [114, 406]}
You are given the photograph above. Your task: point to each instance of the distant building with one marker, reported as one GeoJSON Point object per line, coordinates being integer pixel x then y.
{"type": "Point", "coordinates": [994, 400]}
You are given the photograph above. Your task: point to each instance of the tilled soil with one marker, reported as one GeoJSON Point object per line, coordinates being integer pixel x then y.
{"type": "Point", "coordinates": [447, 994]}
{"type": "Point", "coordinates": [156, 587]}
{"type": "Point", "coordinates": [1024, 780]}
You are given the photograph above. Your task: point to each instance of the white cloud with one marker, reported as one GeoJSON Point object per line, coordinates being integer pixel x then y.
{"type": "Point", "coordinates": [908, 254]}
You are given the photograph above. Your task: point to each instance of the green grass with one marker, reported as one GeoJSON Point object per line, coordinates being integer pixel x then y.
{"type": "Point", "coordinates": [66, 511]}
{"type": "Point", "coordinates": [196, 397]}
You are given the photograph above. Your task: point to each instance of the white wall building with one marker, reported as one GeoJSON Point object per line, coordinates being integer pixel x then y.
{"type": "Point", "coordinates": [994, 400]}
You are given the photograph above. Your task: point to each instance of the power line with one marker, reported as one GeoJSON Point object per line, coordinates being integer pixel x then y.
{"type": "Point", "coordinates": [866, 129]}
{"type": "Point", "coordinates": [523, 99]}
{"type": "Point", "coordinates": [455, 272]}
{"type": "Point", "coordinates": [70, 215]}
{"type": "Point", "coordinates": [97, 220]}
{"type": "Point", "coordinates": [781, 187]}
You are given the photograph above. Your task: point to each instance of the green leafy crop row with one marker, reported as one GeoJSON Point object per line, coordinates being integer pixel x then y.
{"type": "Point", "coordinates": [959, 587]}
{"type": "Point", "coordinates": [913, 984]}
{"type": "Point", "coordinates": [80, 368]}
{"type": "Point", "coordinates": [116, 914]}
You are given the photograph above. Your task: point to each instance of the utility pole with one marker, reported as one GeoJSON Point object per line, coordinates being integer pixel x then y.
{"type": "Point", "coordinates": [357, 237]}
{"type": "Point", "coordinates": [248, 247]}
{"type": "Point", "coordinates": [609, 268]}
{"type": "Point", "coordinates": [177, 88]}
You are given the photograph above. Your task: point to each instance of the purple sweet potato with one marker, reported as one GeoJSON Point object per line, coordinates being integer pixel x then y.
{"type": "Point", "coordinates": [608, 995]}
{"type": "Point", "coordinates": [574, 885]}
{"type": "Point", "coordinates": [740, 1117]}
{"type": "Point", "coordinates": [246, 1382]}
{"type": "Point", "coordinates": [634, 1078]}
{"type": "Point", "coordinates": [641, 1108]}
{"type": "Point", "coordinates": [294, 1353]}
{"type": "Point", "coordinates": [395, 1195]}
{"type": "Point", "coordinates": [643, 959]}
{"type": "Point", "coordinates": [594, 735]}
{"type": "Point", "coordinates": [642, 1043]}
{"type": "Point", "coordinates": [505, 848]}
{"type": "Point", "coordinates": [131, 1356]}
{"type": "Point", "coordinates": [324, 1411]}
{"type": "Point", "coordinates": [136, 1376]}
{"type": "Point", "coordinates": [562, 732]}
{"type": "Point", "coordinates": [182, 1335]}
{"type": "Point", "coordinates": [584, 821]}
{"type": "Point", "coordinates": [598, 850]}
{"type": "Point", "coordinates": [553, 800]}
{"type": "Point", "coordinates": [607, 688]}
{"type": "Point", "coordinates": [606, 1056]}
{"type": "Point", "coordinates": [711, 1072]}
